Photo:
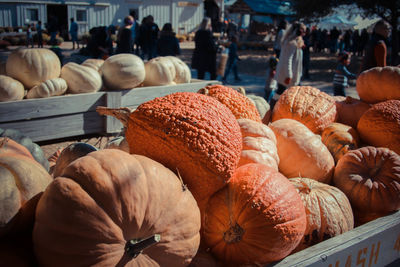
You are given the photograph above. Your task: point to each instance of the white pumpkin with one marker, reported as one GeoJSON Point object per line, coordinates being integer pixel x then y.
{"type": "Point", "coordinates": [159, 71]}
{"type": "Point", "coordinates": [32, 66]}
{"type": "Point", "coordinates": [260, 103]}
{"type": "Point", "coordinates": [182, 70]}
{"type": "Point", "coordinates": [123, 71]}
{"type": "Point", "coordinates": [81, 79]}
{"type": "Point", "coordinates": [52, 87]}
{"type": "Point", "coordinates": [10, 89]}
{"type": "Point", "coordinates": [94, 63]}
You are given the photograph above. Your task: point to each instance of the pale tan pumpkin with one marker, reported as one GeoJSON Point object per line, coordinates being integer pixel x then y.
{"type": "Point", "coordinates": [260, 103]}
{"type": "Point", "coordinates": [182, 71]}
{"type": "Point", "coordinates": [52, 87]}
{"type": "Point", "coordinates": [94, 63]}
{"type": "Point", "coordinates": [10, 89]}
{"type": "Point", "coordinates": [81, 79]}
{"type": "Point", "coordinates": [350, 110]}
{"type": "Point", "coordinates": [159, 71]}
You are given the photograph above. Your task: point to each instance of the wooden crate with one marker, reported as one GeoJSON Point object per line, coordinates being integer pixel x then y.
{"type": "Point", "coordinates": [56, 117]}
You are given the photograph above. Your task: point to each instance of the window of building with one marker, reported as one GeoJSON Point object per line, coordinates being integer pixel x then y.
{"type": "Point", "coordinates": [32, 14]}
{"type": "Point", "coordinates": [81, 16]}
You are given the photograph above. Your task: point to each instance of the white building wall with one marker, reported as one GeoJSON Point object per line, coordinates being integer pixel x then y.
{"type": "Point", "coordinates": [8, 15]}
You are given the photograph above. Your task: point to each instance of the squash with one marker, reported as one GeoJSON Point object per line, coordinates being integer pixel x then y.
{"type": "Point", "coordinates": [118, 142]}
{"type": "Point", "coordinates": [259, 144]}
{"type": "Point", "coordinates": [350, 110]}
{"type": "Point", "coordinates": [301, 152]}
{"type": "Point", "coordinates": [81, 79]}
{"type": "Point", "coordinates": [32, 66]}
{"type": "Point", "coordinates": [240, 105]}
{"type": "Point", "coordinates": [182, 70]}
{"type": "Point", "coordinates": [379, 84]}
{"type": "Point", "coordinates": [159, 71]}
{"type": "Point", "coordinates": [52, 87]}
{"type": "Point", "coordinates": [192, 134]}
{"type": "Point", "coordinates": [94, 63]}
{"type": "Point", "coordinates": [339, 139]}
{"type": "Point", "coordinates": [22, 180]}
{"type": "Point", "coordinates": [123, 71]}
{"type": "Point", "coordinates": [260, 103]}
{"type": "Point", "coordinates": [308, 105]}
{"type": "Point", "coordinates": [379, 126]}
{"type": "Point", "coordinates": [370, 178]}
{"type": "Point", "coordinates": [108, 206]}
{"type": "Point", "coordinates": [10, 89]}
{"type": "Point", "coordinates": [257, 218]}
{"type": "Point", "coordinates": [204, 258]}
{"type": "Point", "coordinates": [328, 211]}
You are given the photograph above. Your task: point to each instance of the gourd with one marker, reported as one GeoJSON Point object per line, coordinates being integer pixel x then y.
{"type": "Point", "coordinates": [327, 208]}
{"type": "Point", "coordinates": [10, 89]}
{"type": "Point", "coordinates": [350, 110]}
{"type": "Point", "coordinates": [81, 79]}
{"type": "Point", "coordinates": [94, 63]}
{"type": "Point", "coordinates": [106, 201]}
{"type": "Point", "coordinates": [22, 180]}
{"type": "Point", "coordinates": [123, 71]}
{"type": "Point", "coordinates": [182, 70]}
{"type": "Point", "coordinates": [32, 66]}
{"type": "Point", "coordinates": [257, 218]}
{"type": "Point", "coordinates": [308, 105]}
{"type": "Point", "coordinates": [379, 126]}
{"type": "Point", "coordinates": [159, 71]}
{"type": "Point", "coordinates": [301, 152]}
{"type": "Point", "coordinates": [379, 84]}
{"type": "Point", "coordinates": [52, 87]}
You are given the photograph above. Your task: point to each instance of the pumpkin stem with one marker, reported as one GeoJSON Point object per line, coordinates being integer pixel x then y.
{"type": "Point", "coordinates": [121, 114]}
{"type": "Point", "coordinates": [234, 234]}
{"type": "Point", "coordinates": [135, 246]}
{"type": "Point", "coordinates": [203, 91]}
{"type": "Point", "coordinates": [184, 187]}
{"type": "Point", "coordinates": [4, 142]}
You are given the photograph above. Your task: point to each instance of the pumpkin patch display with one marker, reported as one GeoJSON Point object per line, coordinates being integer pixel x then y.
{"type": "Point", "coordinates": [257, 218]}
{"type": "Point", "coordinates": [350, 110]}
{"type": "Point", "coordinates": [308, 105]}
{"type": "Point", "coordinates": [379, 126]}
{"type": "Point", "coordinates": [328, 211]}
{"type": "Point", "coordinates": [301, 152]}
{"type": "Point", "coordinates": [159, 71]}
{"type": "Point", "coordinates": [239, 104]}
{"type": "Point", "coordinates": [52, 87]}
{"type": "Point", "coordinates": [10, 89]}
{"type": "Point", "coordinates": [370, 178]}
{"type": "Point", "coordinates": [111, 208]}
{"type": "Point", "coordinates": [81, 79]}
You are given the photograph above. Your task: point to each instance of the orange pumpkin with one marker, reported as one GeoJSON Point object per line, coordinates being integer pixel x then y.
{"type": "Point", "coordinates": [240, 105]}
{"type": "Point", "coordinates": [257, 218]}
{"type": "Point", "coordinates": [370, 178]}
{"type": "Point", "coordinates": [350, 110]}
{"type": "Point", "coordinates": [328, 211]}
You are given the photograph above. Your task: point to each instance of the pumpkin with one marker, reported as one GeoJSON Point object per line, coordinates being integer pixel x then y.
{"type": "Point", "coordinates": [301, 152]}
{"type": "Point", "coordinates": [119, 142]}
{"type": "Point", "coordinates": [159, 71]}
{"type": "Point", "coordinates": [182, 71]}
{"type": "Point", "coordinates": [108, 206]}
{"type": "Point", "coordinates": [350, 110]}
{"type": "Point", "coordinates": [32, 66]}
{"type": "Point", "coordinates": [328, 211]}
{"type": "Point", "coordinates": [81, 79]}
{"type": "Point", "coordinates": [123, 71]}
{"type": "Point", "coordinates": [340, 138]}
{"type": "Point", "coordinates": [379, 126]}
{"type": "Point", "coordinates": [203, 258]}
{"type": "Point", "coordinates": [71, 153]}
{"type": "Point", "coordinates": [257, 218]}
{"type": "Point", "coordinates": [379, 84]}
{"type": "Point", "coordinates": [17, 251]}
{"type": "Point", "coordinates": [308, 105]}
{"type": "Point", "coordinates": [191, 134]}
{"type": "Point", "coordinates": [22, 180]}
{"type": "Point", "coordinates": [239, 104]}
{"type": "Point", "coordinates": [94, 63]}
{"type": "Point", "coordinates": [52, 87]}
{"type": "Point", "coordinates": [3, 68]}
{"type": "Point", "coordinates": [34, 149]}
{"type": "Point", "coordinates": [370, 178]}
{"type": "Point", "coordinates": [260, 103]}
{"type": "Point", "coordinates": [259, 144]}
{"type": "Point", "coordinates": [10, 89]}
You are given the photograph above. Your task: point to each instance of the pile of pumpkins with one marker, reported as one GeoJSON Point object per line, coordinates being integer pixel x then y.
{"type": "Point", "coordinates": [37, 73]}
{"type": "Point", "coordinates": [207, 183]}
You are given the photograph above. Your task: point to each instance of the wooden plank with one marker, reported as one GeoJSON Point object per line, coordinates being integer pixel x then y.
{"type": "Point", "coordinates": [53, 106]}
{"type": "Point", "coordinates": [112, 124]}
{"type": "Point", "coordinates": [376, 243]}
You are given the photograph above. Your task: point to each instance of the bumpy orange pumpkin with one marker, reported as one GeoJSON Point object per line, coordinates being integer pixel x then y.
{"type": "Point", "coordinates": [328, 211]}
{"type": "Point", "coordinates": [350, 110]}
{"type": "Point", "coordinates": [301, 152]}
{"type": "Point", "coordinates": [105, 202]}
{"type": "Point", "coordinates": [370, 178]}
{"type": "Point", "coordinates": [240, 105]}
{"type": "Point", "coordinates": [380, 125]}
{"type": "Point", "coordinates": [340, 138]}
{"type": "Point", "coordinates": [191, 134]}
{"type": "Point", "coordinates": [308, 105]}
{"type": "Point", "coordinates": [379, 84]}
{"type": "Point", "coordinates": [257, 218]}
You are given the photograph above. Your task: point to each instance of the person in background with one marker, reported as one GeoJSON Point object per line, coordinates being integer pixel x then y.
{"type": "Point", "coordinates": [134, 29]}
{"type": "Point", "coordinates": [364, 38]}
{"type": "Point", "coordinates": [55, 47]}
{"type": "Point", "coordinates": [140, 46]}
{"type": "Point", "coordinates": [39, 31]}
{"type": "Point", "coordinates": [168, 44]}
{"type": "Point", "coordinates": [73, 31]}
{"type": "Point", "coordinates": [150, 38]}
{"type": "Point", "coordinates": [52, 27]}
{"type": "Point", "coordinates": [342, 74]}
{"type": "Point", "coordinates": [204, 58]}
{"type": "Point", "coordinates": [124, 40]}
{"type": "Point", "coordinates": [306, 54]}
{"type": "Point", "coordinates": [232, 61]}
{"type": "Point", "coordinates": [279, 35]}
{"type": "Point", "coordinates": [29, 36]}
{"type": "Point", "coordinates": [376, 50]}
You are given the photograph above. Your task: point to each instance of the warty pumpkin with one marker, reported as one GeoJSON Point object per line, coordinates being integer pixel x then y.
{"type": "Point", "coordinates": [308, 105]}
{"type": "Point", "coordinates": [10, 89]}
{"type": "Point", "coordinates": [52, 87]}
{"type": "Point", "coordinates": [159, 71]}
{"type": "Point", "coordinates": [328, 211]}
{"type": "Point", "coordinates": [350, 110]}
{"type": "Point", "coordinates": [257, 218]}
{"type": "Point", "coordinates": [370, 178]}
{"type": "Point", "coordinates": [107, 205]}
{"type": "Point", "coordinates": [81, 79]}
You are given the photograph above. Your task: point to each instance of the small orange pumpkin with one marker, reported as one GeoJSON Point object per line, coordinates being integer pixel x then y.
{"type": "Point", "coordinates": [350, 110]}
